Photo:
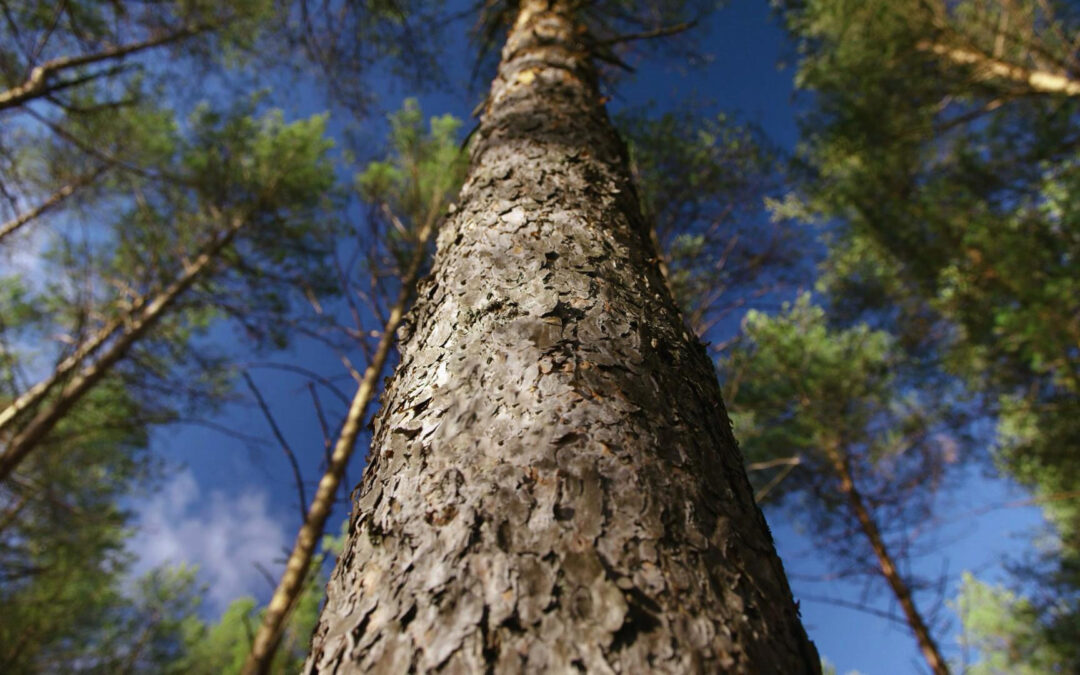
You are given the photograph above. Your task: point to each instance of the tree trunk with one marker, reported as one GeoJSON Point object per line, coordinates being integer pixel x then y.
{"type": "Point", "coordinates": [987, 67]}
{"type": "Point", "coordinates": [553, 481]}
{"type": "Point", "coordinates": [927, 646]}
{"type": "Point", "coordinates": [145, 315]}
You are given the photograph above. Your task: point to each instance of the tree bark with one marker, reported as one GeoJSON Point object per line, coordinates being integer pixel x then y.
{"type": "Point", "coordinates": [553, 482]}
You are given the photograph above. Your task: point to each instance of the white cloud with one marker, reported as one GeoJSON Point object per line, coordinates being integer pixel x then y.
{"type": "Point", "coordinates": [225, 534]}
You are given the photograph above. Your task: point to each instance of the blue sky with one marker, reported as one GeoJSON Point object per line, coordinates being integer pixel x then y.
{"type": "Point", "coordinates": [231, 506]}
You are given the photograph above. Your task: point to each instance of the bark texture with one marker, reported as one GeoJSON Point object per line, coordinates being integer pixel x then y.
{"type": "Point", "coordinates": [553, 484]}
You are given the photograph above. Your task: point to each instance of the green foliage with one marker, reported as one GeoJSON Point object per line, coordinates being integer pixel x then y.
{"type": "Point", "coordinates": [790, 364]}
{"type": "Point", "coordinates": [220, 649]}
{"type": "Point", "coordinates": [702, 183]}
{"type": "Point", "coordinates": [820, 411]}
{"type": "Point", "coordinates": [19, 310]}
{"type": "Point", "coordinates": [225, 168]}
{"type": "Point", "coordinates": [1006, 631]}
{"type": "Point", "coordinates": [415, 184]}
{"type": "Point", "coordinates": [63, 565]}
{"type": "Point", "coordinates": [159, 182]}
{"type": "Point", "coordinates": [424, 169]}
{"type": "Point", "coordinates": [278, 178]}
{"type": "Point", "coordinates": [143, 632]}
{"type": "Point", "coordinates": [953, 201]}
{"type": "Point", "coordinates": [62, 533]}
{"type": "Point", "coordinates": [69, 604]}
{"type": "Point", "coordinates": [945, 147]}
{"type": "Point", "coordinates": [137, 630]}
{"type": "Point", "coordinates": [685, 164]}
{"type": "Point", "coordinates": [798, 388]}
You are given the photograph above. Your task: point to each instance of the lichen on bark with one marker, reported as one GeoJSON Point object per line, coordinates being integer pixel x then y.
{"type": "Point", "coordinates": [553, 483]}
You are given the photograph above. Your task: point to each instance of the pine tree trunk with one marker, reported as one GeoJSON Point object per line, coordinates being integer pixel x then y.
{"type": "Point", "coordinates": [553, 482]}
{"type": "Point", "coordinates": [927, 645]}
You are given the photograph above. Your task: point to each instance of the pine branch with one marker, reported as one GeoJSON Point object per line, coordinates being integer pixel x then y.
{"type": "Point", "coordinates": [987, 67]}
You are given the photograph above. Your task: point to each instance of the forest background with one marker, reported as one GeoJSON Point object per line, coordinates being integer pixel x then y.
{"type": "Point", "coordinates": [839, 250]}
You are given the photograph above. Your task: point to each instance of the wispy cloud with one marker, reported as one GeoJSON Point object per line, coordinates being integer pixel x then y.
{"type": "Point", "coordinates": [225, 534]}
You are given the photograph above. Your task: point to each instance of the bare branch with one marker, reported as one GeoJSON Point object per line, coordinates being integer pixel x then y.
{"type": "Point", "coordinates": [55, 199]}
{"type": "Point", "coordinates": [769, 464]}
{"type": "Point", "coordinates": [37, 85]}
{"type": "Point", "coordinates": [857, 606]}
{"type": "Point", "coordinates": [987, 67]}
{"type": "Point", "coordinates": [761, 494]}
{"type": "Point", "coordinates": [288, 591]}
{"type": "Point", "coordinates": [285, 447]}
{"type": "Point", "coordinates": [663, 31]}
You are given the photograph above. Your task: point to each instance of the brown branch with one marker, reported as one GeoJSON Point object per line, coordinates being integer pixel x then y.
{"type": "Point", "coordinates": [37, 85]}
{"type": "Point", "coordinates": [323, 425]}
{"type": "Point", "coordinates": [104, 157]}
{"type": "Point", "coordinates": [990, 508]}
{"type": "Point", "coordinates": [13, 512]}
{"type": "Point", "coordinates": [56, 198]}
{"type": "Point", "coordinates": [760, 466]}
{"type": "Point", "coordinates": [128, 330]}
{"type": "Point", "coordinates": [988, 67]}
{"type": "Point", "coordinates": [857, 606]}
{"type": "Point", "coordinates": [261, 569]}
{"type": "Point", "coordinates": [285, 447]}
{"type": "Point", "coordinates": [887, 566]}
{"type": "Point", "coordinates": [761, 494]}
{"type": "Point", "coordinates": [306, 372]}
{"type": "Point", "coordinates": [663, 31]}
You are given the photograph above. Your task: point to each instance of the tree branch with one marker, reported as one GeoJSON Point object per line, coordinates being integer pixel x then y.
{"type": "Point", "coordinates": [289, 587]}
{"type": "Point", "coordinates": [15, 224]}
{"type": "Point", "coordinates": [37, 85]}
{"type": "Point", "coordinates": [285, 447]}
{"type": "Point", "coordinates": [987, 67]}
{"type": "Point", "coordinates": [663, 31]}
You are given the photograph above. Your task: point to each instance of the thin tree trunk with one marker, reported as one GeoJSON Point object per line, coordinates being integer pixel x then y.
{"type": "Point", "coordinates": [15, 224]}
{"type": "Point", "coordinates": [13, 512]}
{"type": "Point", "coordinates": [289, 588]}
{"type": "Point", "coordinates": [985, 66]}
{"type": "Point", "coordinates": [36, 394]}
{"type": "Point", "coordinates": [927, 645]}
{"type": "Point", "coordinates": [147, 313]}
{"type": "Point", "coordinates": [553, 482]}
